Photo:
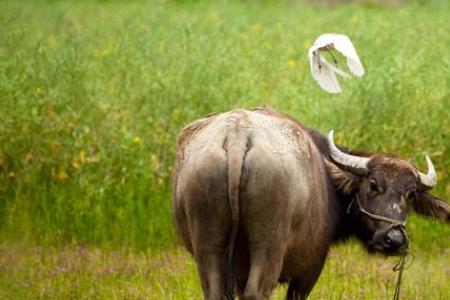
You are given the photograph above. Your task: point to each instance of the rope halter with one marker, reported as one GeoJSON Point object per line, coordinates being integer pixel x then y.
{"type": "Point", "coordinates": [394, 223]}
{"type": "Point", "coordinates": [401, 264]}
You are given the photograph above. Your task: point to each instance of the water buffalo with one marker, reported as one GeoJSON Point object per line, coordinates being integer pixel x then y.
{"type": "Point", "coordinates": [258, 199]}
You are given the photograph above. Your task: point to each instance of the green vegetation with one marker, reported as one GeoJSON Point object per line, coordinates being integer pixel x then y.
{"type": "Point", "coordinates": [75, 272]}
{"type": "Point", "coordinates": [93, 93]}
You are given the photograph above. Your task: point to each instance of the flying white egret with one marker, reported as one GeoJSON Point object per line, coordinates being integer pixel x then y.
{"type": "Point", "coordinates": [324, 72]}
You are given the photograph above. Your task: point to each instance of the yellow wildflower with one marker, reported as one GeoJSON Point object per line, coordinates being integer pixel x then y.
{"type": "Point", "coordinates": [154, 161]}
{"type": "Point", "coordinates": [292, 63]}
{"type": "Point", "coordinates": [213, 16]}
{"type": "Point", "coordinates": [102, 52]}
{"type": "Point", "coordinates": [257, 26]}
{"type": "Point", "coordinates": [62, 175]}
{"type": "Point", "coordinates": [176, 112]}
{"type": "Point", "coordinates": [307, 43]}
{"type": "Point", "coordinates": [160, 181]}
{"type": "Point", "coordinates": [137, 140]}
{"type": "Point", "coordinates": [75, 165]}
{"type": "Point", "coordinates": [69, 127]}
{"type": "Point", "coordinates": [82, 157]}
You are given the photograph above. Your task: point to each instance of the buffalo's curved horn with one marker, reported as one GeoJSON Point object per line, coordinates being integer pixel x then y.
{"type": "Point", "coordinates": [430, 179]}
{"type": "Point", "coordinates": [356, 163]}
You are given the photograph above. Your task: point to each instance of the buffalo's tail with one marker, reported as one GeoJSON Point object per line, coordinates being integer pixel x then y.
{"type": "Point", "coordinates": [236, 147]}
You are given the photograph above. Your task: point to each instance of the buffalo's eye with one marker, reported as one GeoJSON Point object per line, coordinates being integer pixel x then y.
{"type": "Point", "coordinates": [410, 195]}
{"type": "Point", "coordinates": [374, 185]}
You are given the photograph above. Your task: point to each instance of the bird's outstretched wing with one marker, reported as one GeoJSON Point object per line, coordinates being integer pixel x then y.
{"type": "Point", "coordinates": [343, 44]}
{"type": "Point", "coordinates": [324, 73]}
{"type": "Point", "coordinates": [322, 41]}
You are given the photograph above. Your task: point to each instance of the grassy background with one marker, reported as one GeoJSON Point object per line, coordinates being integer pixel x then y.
{"type": "Point", "coordinates": [93, 93]}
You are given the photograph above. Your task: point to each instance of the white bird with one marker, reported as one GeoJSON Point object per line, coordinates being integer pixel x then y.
{"type": "Point", "coordinates": [324, 72]}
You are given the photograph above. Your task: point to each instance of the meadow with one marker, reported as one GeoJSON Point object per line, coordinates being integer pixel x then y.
{"type": "Point", "coordinates": [93, 94]}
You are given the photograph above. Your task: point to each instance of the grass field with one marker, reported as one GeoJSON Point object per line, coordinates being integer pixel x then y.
{"type": "Point", "coordinates": [75, 272]}
{"type": "Point", "coordinates": [93, 93]}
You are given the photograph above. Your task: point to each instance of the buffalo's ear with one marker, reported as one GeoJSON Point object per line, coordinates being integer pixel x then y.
{"type": "Point", "coordinates": [431, 206]}
{"type": "Point", "coordinates": [344, 181]}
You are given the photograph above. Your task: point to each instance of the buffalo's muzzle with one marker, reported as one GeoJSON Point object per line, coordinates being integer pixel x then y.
{"type": "Point", "coordinates": [392, 242]}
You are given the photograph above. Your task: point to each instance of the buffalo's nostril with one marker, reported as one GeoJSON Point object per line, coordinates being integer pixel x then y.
{"type": "Point", "coordinates": [391, 242]}
{"type": "Point", "coordinates": [394, 239]}
{"type": "Point", "coordinates": [387, 240]}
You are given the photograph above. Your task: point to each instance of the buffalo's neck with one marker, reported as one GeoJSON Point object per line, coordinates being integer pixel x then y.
{"type": "Point", "coordinates": [340, 222]}
{"type": "Point", "coordinates": [344, 224]}
{"type": "Point", "coordinates": [338, 219]}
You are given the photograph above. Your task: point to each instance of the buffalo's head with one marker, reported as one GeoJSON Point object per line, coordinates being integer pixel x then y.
{"type": "Point", "coordinates": [382, 189]}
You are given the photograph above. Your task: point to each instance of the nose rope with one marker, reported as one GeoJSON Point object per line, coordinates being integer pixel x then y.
{"type": "Point", "coordinates": [394, 222]}
{"type": "Point", "coordinates": [400, 265]}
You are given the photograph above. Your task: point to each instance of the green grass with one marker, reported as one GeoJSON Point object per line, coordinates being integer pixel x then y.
{"type": "Point", "coordinates": [75, 272]}
{"type": "Point", "coordinates": [93, 93]}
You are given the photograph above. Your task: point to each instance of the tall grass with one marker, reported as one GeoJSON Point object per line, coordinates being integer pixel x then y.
{"type": "Point", "coordinates": [93, 93]}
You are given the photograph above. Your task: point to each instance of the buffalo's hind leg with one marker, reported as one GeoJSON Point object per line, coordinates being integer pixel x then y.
{"type": "Point", "coordinates": [205, 199]}
{"type": "Point", "coordinates": [265, 269]}
{"type": "Point", "coordinates": [210, 231]}
{"type": "Point", "coordinates": [265, 220]}
{"type": "Point", "coordinates": [210, 261]}
{"type": "Point", "coordinates": [299, 289]}
{"type": "Point", "coordinates": [296, 291]}
{"type": "Point", "coordinates": [211, 268]}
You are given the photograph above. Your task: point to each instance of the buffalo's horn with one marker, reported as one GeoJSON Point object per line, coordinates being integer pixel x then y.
{"type": "Point", "coordinates": [356, 163]}
{"type": "Point", "coordinates": [430, 179]}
